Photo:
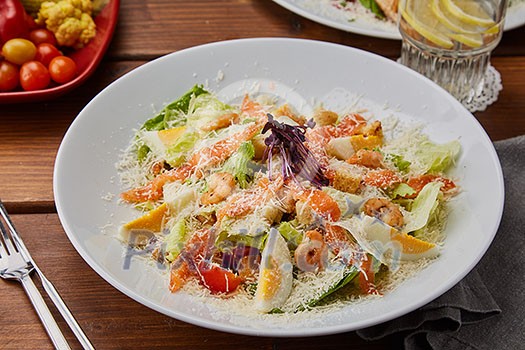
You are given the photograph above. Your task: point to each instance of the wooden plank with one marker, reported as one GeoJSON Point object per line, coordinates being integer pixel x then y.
{"type": "Point", "coordinates": [505, 118]}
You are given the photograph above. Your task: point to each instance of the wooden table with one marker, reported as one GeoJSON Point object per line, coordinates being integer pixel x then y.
{"type": "Point", "coordinates": [31, 133]}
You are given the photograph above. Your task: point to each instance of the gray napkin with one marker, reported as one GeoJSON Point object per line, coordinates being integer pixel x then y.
{"type": "Point", "coordinates": [486, 310]}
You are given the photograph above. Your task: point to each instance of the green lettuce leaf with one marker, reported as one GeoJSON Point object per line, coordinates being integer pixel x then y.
{"type": "Point", "coordinates": [372, 6]}
{"type": "Point", "coordinates": [423, 206]}
{"type": "Point", "coordinates": [225, 240]}
{"type": "Point", "coordinates": [176, 153]}
{"type": "Point", "coordinates": [290, 233]}
{"type": "Point", "coordinates": [348, 276]}
{"type": "Point", "coordinates": [175, 240]}
{"type": "Point", "coordinates": [399, 161]}
{"type": "Point", "coordinates": [204, 108]}
{"type": "Point", "coordinates": [173, 114]}
{"type": "Point", "coordinates": [238, 164]}
{"type": "Point", "coordinates": [402, 190]}
{"type": "Point", "coordinates": [142, 152]}
{"type": "Point", "coordinates": [437, 158]}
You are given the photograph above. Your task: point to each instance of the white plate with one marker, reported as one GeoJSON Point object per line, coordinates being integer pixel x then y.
{"type": "Point", "coordinates": [302, 72]}
{"type": "Point", "coordinates": [515, 16]}
{"type": "Point", "coordinates": [319, 11]}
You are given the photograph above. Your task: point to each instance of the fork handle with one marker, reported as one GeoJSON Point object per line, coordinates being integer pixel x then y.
{"type": "Point", "coordinates": [45, 315]}
{"type": "Point", "coordinates": [64, 311]}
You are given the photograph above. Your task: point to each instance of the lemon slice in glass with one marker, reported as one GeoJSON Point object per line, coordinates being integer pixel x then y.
{"type": "Point", "coordinates": [448, 20]}
{"type": "Point", "coordinates": [427, 25]}
{"type": "Point", "coordinates": [469, 11]}
{"type": "Point", "coordinates": [472, 40]}
{"type": "Point", "coordinates": [493, 30]}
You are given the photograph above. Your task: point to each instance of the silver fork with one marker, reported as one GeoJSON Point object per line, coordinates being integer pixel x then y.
{"type": "Point", "coordinates": [16, 263]}
{"type": "Point", "coordinates": [14, 266]}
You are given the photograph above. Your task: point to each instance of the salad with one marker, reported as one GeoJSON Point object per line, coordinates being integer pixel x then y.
{"type": "Point", "coordinates": [287, 212]}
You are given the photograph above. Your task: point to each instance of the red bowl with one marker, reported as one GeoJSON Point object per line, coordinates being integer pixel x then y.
{"type": "Point", "coordinates": [86, 58]}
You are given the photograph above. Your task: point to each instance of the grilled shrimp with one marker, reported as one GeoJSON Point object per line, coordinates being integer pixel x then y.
{"type": "Point", "coordinates": [367, 158]}
{"type": "Point", "coordinates": [384, 210]}
{"type": "Point", "coordinates": [312, 254]}
{"type": "Point", "coordinates": [220, 185]}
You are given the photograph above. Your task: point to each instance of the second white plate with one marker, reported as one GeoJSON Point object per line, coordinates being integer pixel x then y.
{"type": "Point", "coordinates": [322, 12]}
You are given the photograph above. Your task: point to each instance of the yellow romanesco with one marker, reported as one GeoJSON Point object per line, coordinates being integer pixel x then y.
{"type": "Point", "coordinates": [70, 20]}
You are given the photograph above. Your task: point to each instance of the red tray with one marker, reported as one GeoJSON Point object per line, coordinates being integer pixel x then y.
{"type": "Point", "coordinates": [86, 58]}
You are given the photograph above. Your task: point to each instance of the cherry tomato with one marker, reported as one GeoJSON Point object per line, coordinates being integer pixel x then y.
{"type": "Point", "coordinates": [9, 76]}
{"type": "Point", "coordinates": [34, 76]}
{"type": "Point", "coordinates": [218, 279]}
{"type": "Point", "coordinates": [39, 36]}
{"type": "Point", "coordinates": [19, 51]}
{"type": "Point", "coordinates": [62, 69]}
{"type": "Point", "coordinates": [46, 52]}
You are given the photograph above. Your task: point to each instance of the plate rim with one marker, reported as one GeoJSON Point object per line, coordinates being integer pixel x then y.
{"type": "Point", "coordinates": [199, 321]}
{"type": "Point", "coordinates": [517, 19]}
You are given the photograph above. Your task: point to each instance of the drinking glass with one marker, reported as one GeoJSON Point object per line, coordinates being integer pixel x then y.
{"type": "Point", "coordinates": [450, 41]}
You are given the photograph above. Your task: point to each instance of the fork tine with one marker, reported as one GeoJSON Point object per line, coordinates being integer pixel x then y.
{"type": "Point", "coordinates": [3, 213]}
{"type": "Point", "coordinates": [7, 240]}
{"type": "Point", "coordinates": [14, 234]}
{"type": "Point", "coordinates": [3, 252]}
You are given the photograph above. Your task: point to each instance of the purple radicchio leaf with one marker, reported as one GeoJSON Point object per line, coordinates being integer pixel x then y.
{"type": "Point", "coordinates": [288, 142]}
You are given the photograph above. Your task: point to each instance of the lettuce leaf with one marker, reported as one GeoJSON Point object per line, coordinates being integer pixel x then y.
{"type": "Point", "coordinates": [238, 164]}
{"type": "Point", "coordinates": [372, 6]}
{"type": "Point", "coordinates": [437, 158]}
{"type": "Point", "coordinates": [252, 225]}
{"type": "Point", "coordinates": [290, 233]}
{"type": "Point", "coordinates": [399, 161]}
{"type": "Point", "coordinates": [225, 241]}
{"type": "Point", "coordinates": [423, 206]}
{"type": "Point", "coordinates": [175, 240]}
{"type": "Point", "coordinates": [348, 276]}
{"type": "Point", "coordinates": [204, 108]}
{"type": "Point", "coordinates": [402, 190]}
{"type": "Point", "coordinates": [176, 153]}
{"type": "Point", "coordinates": [174, 113]}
